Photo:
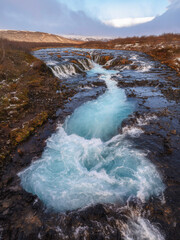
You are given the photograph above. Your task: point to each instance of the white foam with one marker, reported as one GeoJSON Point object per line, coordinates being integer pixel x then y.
{"type": "Point", "coordinates": [83, 164]}
{"type": "Point", "coordinates": [146, 120]}
{"type": "Point", "coordinates": [79, 231]}
{"type": "Point", "coordinates": [79, 167]}
{"type": "Point", "coordinates": [52, 63]}
{"type": "Point", "coordinates": [64, 70]}
{"type": "Point", "coordinates": [141, 229]}
{"type": "Point", "coordinates": [73, 172]}
{"type": "Point", "coordinates": [69, 69]}
{"type": "Point", "coordinates": [134, 132]}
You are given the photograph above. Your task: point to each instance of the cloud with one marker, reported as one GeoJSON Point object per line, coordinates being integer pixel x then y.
{"type": "Point", "coordinates": [127, 22]}
{"type": "Point", "coordinates": [55, 17]}
{"type": "Point", "coordinates": [48, 16]}
{"type": "Point", "coordinates": [174, 4]}
{"type": "Point", "coordinates": [166, 23]}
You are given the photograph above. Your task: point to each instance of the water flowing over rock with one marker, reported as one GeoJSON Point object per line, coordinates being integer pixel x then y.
{"type": "Point", "coordinates": [87, 162]}
{"type": "Point", "coordinates": [96, 177]}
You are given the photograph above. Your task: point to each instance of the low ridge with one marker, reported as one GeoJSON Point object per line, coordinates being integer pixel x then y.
{"type": "Point", "coordinates": [27, 36]}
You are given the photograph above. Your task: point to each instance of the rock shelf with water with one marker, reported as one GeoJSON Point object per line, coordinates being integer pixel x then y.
{"type": "Point", "coordinates": [105, 173]}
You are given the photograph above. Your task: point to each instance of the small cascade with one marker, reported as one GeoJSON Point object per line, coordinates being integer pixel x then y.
{"type": "Point", "coordinates": [108, 63]}
{"type": "Point", "coordinates": [64, 70]}
{"type": "Point", "coordinates": [141, 228]}
{"type": "Point", "coordinates": [88, 161]}
{"type": "Point", "coordinates": [85, 64]}
{"type": "Point", "coordinates": [96, 58]}
{"type": "Point", "coordinates": [70, 69]}
{"type": "Point", "coordinates": [141, 66]}
{"type": "Point", "coordinates": [144, 67]}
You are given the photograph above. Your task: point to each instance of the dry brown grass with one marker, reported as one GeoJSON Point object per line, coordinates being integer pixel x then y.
{"type": "Point", "coordinates": [27, 94]}
{"type": "Point", "coordinates": [165, 48]}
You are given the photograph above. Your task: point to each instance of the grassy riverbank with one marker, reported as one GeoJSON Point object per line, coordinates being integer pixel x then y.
{"type": "Point", "coordinates": [28, 93]}
{"type": "Point", "coordinates": [28, 88]}
{"type": "Point", "coordinates": [28, 105]}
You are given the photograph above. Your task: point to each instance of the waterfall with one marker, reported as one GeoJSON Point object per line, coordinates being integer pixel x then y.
{"type": "Point", "coordinates": [87, 161]}
{"type": "Point", "coordinates": [64, 70]}
{"type": "Point", "coordinates": [71, 69]}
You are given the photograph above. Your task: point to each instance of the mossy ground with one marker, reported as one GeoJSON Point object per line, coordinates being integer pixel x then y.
{"type": "Point", "coordinates": [29, 95]}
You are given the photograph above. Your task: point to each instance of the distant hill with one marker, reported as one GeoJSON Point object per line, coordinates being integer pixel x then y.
{"type": "Point", "coordinates": [36, 37]}
{"type": "Point", "coordinates": [88, 38]}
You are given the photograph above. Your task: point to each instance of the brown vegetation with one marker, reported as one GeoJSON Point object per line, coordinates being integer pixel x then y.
{"type": "Point", "coordinates": [36, 37]}
{"type": "Point", "coordinates": [104, 59]}
{"type": "Point", "coordinates": [28, 89]}
{"type": "Point", "coordinates": [28, 95]}
{"type": "Point", "coordinates": [30, 46]}
{"type": "Point", "coordinates": [88, 56]}
{"type": "Point", "coordinates": [165, 48]}
{"type": "Point", "coordinates": [74, 61]}
{"type": "Point", "coordinates": [18, 135]}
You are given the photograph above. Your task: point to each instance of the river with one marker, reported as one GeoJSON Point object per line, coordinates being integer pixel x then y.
{"type": "Point", "coordinates": [91, 159]}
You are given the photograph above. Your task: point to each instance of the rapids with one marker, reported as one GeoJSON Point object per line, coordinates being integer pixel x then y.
{"type": "Point", "coordinates": [87, 161]}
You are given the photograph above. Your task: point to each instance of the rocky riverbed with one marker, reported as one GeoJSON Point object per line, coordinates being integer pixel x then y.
{"type": "Point", "coordinates": [153, 127]}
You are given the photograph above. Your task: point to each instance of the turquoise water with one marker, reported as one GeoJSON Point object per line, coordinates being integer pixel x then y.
{"type": "Point", "coordinates": [102, 117]}
{"type": "Point", "coordinates": [87, 161]}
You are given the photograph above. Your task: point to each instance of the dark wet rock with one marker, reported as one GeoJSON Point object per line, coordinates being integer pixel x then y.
{"type": "Point", "coordinates": [102, 59]}
{"type": "Point", "coordinates": [20, 152]}
{"type": "Point", "coordinates": [99, 83]}
{"type": "Point", "coordinates": [133, 66]}
{"type": "Point", "coordinates": [167, 146]}
{"type": "Point", "coordinates": [23, 216]}
{"type": "Point", "coordinates": [173, 132]}
{"type": "Point", "coordinates": [51, 235]}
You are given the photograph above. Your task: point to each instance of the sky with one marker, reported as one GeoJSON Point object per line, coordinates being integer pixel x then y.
{"type": "Point", "coordinates": [114, 9]}
{"type": "Point", "coordinates": [92, 17]}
